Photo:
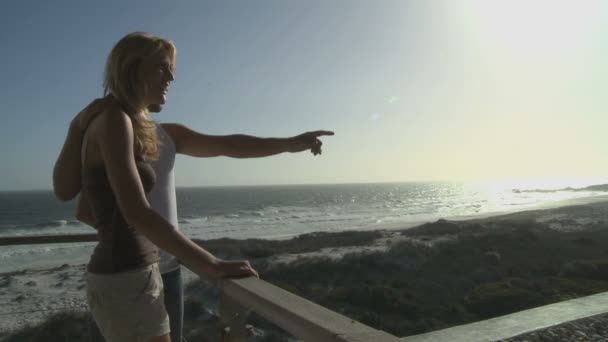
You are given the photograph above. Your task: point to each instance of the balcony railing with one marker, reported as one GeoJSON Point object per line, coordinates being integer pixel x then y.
{"type": "Point", "coordinates": [239, 297]}
{"type": "Point", "coordinates": [312, 322]}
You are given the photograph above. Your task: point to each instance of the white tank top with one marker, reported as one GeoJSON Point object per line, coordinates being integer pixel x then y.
{"type": "Point", "coordinates": [162, 196]}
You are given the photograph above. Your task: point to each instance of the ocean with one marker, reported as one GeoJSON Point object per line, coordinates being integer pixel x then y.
{"type": "Point", "coordinates": [275, 212]}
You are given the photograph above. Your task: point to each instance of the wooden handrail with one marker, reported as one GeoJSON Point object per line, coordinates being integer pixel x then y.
{"type": "Point", "coordinates": [299, 316]}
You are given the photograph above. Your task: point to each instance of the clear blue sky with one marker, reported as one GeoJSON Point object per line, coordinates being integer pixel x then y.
{"type": "Point", "coordinates": [415, 90]}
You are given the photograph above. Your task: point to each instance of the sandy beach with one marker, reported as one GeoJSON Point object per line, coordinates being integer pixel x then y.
{"type": "Point", "coordinates": [31, 294]}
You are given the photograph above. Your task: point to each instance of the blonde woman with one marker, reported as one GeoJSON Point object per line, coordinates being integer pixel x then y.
{"type": "Point", "coordinates": [173, 139]}
{"type": "Point", "coordinates": [124, 287]}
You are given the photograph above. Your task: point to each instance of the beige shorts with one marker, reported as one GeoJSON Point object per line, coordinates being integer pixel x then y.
{"type": "Point", "coordinates": [128, 306]}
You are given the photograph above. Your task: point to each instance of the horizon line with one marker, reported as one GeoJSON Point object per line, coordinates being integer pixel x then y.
{"type": "Point", "coordinates": [341, 183]}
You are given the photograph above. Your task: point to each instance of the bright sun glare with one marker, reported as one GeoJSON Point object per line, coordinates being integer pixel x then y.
{"type": "Point", "coordinates": [538, 26]}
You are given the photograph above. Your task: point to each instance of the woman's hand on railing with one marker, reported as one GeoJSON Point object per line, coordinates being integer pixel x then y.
{"type": "Point", "coordinates": [234, 269]}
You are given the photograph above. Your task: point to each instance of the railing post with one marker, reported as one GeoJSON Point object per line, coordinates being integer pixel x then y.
{"type": "Point", "coordinates": [233, 318]}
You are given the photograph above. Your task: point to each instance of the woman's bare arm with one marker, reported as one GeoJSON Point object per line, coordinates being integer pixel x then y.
{"type": "Point", "coordinates": [67, 169]}
{"type": "Point", "coordinates": [195, 144]}
{"type": "Point", "coordinates": [114, 137]}
{"type": "Point", "coordinates": [66, 173]}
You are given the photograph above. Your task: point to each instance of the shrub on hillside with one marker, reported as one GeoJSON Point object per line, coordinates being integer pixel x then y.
{"type": "Point", "coordinates": [500, 298]}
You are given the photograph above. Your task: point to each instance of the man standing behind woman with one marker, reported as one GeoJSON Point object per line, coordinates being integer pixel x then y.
{"type": "Point", "coordinates": [121, 198]}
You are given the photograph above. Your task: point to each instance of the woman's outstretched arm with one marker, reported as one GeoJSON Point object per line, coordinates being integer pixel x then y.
{"type": "Point", "coordinates": [195, 144]}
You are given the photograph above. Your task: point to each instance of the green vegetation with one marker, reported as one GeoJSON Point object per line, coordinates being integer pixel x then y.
{"type": "Point", "coordinates": [258, 248]}
{"type": "Point", "coordinates": [482, 273]}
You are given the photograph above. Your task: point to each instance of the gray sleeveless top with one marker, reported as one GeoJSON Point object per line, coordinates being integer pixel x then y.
{"type": "Point", "coordinates": [162, 196]}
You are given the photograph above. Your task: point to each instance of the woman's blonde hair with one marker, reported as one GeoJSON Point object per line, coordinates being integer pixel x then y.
{"type": "Point", "coordinates": [123, 81]}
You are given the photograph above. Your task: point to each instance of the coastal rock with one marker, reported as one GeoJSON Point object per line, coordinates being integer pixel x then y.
{"type": "Point", "coordinates": [63, 276]}
{"type": "Point", "coordinates": [6, 281]}
{"type": "Point", "coordinates": [254, 332]}
{"type": "Point", "coordinates": [492, 257]}
{"type": "Point", "coordinates": [58, 268]}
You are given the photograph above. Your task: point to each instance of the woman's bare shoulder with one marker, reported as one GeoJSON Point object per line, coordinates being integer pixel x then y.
{"type": "Point", "coordinates": [112, 120]}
